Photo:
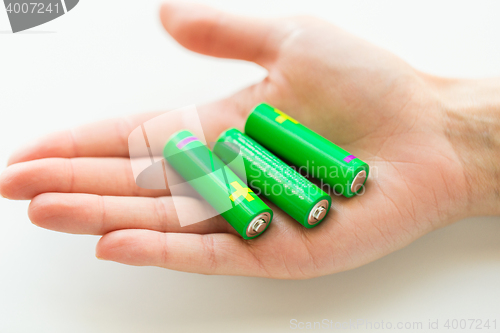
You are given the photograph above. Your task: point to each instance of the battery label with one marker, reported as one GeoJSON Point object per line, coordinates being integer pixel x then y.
{"type": "Point", "coordinates": [185, 141]}
{"type": "Point", "coordinates": [283, 117]}
{"type": "Point", "coordinates": [349, 158]}
{"type": "Point", "coordinates": [295, 183]}
{"type": "Point", "coordinates": [240, 192]}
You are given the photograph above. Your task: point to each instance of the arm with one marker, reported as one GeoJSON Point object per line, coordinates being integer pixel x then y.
{"type": "Point", "coordinates": [471, 112]}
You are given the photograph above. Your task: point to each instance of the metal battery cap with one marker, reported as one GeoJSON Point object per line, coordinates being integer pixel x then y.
{"type": "Point", "coordinates": [258, 224]}
{"type": "Point", "coordinates": [318, 212]}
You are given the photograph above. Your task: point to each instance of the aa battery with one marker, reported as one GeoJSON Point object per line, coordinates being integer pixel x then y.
{"type": "Point", "coordinates": [217, 184]}
{"type": "Point", "coordinates": [297, 144]}
{"type": "Point", "coordinates": [273, 179]}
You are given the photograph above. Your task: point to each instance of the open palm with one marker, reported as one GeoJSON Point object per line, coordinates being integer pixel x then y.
{"type": "Point", "coordinates": [359, 96]}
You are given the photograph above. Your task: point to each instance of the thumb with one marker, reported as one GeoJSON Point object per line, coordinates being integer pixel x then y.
{"type": "Point", "coordinates": [208, 31]}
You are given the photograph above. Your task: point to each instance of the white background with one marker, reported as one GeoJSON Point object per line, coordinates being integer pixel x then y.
{"type": "Point", "coordinates": [110, 58]}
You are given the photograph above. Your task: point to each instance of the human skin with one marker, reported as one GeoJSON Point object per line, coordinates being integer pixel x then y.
{"type": "Point", "coordinates": [433, 145]}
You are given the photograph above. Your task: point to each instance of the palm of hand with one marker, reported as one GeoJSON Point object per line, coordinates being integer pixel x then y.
{"type": "Point", "coordinates": [377, 107]}
{"type": "Point", "coordinates": [356, 95]}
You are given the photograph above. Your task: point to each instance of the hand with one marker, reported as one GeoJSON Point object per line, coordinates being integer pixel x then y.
{"type": "Point", "coordinates": [407, 125]}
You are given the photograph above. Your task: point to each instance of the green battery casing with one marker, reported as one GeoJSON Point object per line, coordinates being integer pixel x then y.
{"type": "Point", "coordinates": [271, 177]}
{"type": "Point", "coordinates": [308, 150]}
{"type": "Point", "coordinates": [215, 182]}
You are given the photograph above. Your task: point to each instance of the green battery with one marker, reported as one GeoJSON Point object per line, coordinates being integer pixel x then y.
{"type": "Point", "coordinates": [217, 184]}
{"type": "Point", "coordinates": [274, 179]}
{"type": "Point", "coordinates": [297, 144]}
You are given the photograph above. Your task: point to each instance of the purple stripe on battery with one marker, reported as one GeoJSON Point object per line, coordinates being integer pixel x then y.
{"type": "Point", "coordinates": [185, 141]}
{"type": "Point", "coordinates": [349, 158]}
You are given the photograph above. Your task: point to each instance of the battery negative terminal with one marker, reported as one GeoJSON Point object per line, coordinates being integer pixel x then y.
{"type": "Point", "coordinates": [358, 181]}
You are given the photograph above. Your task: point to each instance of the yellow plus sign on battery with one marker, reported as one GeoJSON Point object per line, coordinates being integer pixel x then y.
{"type": "Point", "coordinates": [240, 191]}
{"type": "Point", "coordinates": [283, 116]}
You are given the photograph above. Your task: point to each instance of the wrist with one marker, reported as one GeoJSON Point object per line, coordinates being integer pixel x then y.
{"type": "Point", "coordinates": [471, 114]}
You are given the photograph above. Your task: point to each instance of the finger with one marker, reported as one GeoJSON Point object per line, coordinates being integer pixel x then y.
{"type": "Point", "coordinates": [103, 176]}
{"type": "Point", "coordinates": [109, 138]}
{"type": "Point", "coordinates": [98, 215]}
{"type": "Point", "coordinates": [207, 254]}
{"type": "Point", "coordinates": [104, 138]}
{"type": "Point", "coordinates": [205, 30]}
